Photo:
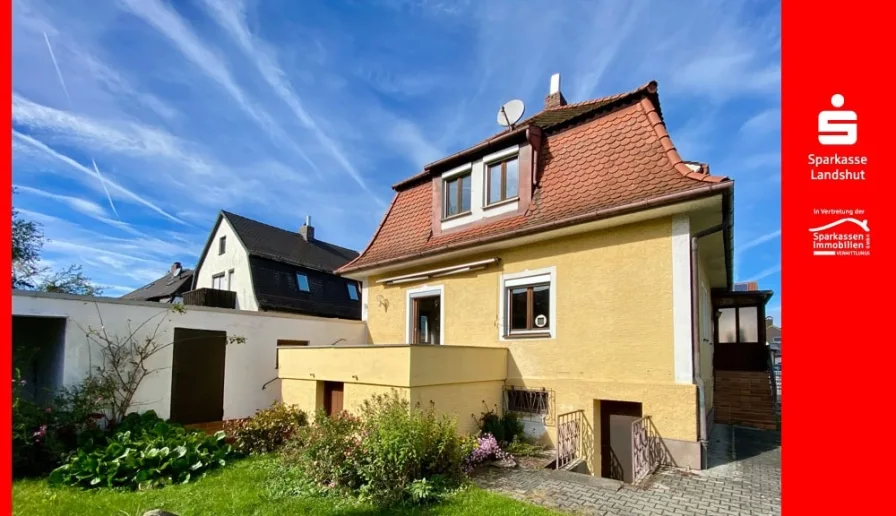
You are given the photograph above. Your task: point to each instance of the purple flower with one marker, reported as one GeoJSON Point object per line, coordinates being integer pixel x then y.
{"type": "Point", "coordinates": [41, 432]}
{"type": "Point", "coordinates": [49, 410]}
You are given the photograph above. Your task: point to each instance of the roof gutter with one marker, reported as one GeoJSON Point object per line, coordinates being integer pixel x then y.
{"type": "Point", "coordinates": [656, 202]}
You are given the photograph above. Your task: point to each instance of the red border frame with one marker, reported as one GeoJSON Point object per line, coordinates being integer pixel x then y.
{"type": "Point", "coordinates": [6, 394]}
{"type": "Point", "coordinates": [839, 367]}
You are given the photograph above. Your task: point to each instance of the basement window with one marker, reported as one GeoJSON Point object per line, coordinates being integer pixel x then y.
{"type": "Point", "coordinates": [527, 401]}
{"type": "Point", "coordinates": [302, 282]}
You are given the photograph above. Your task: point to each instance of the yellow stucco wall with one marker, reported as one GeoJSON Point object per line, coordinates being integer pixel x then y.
{"type": "Point", "coordinates": [466, 401]}
{"type": "Point", "coordinates": [613, 325]}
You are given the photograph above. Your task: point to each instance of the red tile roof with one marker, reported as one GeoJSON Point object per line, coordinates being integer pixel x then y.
{"type": "Point", "coordinates": [600, 158]}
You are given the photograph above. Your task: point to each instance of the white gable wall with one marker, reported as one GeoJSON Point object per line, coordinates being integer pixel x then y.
{"type": "Point", "coordinates": [248, 366]}
{"type": "Point", "coordinates": [234, 258]}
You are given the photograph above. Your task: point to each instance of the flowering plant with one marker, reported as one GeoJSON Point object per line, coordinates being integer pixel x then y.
{"type": "Point", "coordinates": [485, 449]}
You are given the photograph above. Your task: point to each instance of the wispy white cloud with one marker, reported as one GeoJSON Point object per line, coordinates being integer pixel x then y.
{"type": "Point", "coordinates": [767, 122]}
{"type": "Point", "coordinates": [231, 16]}
{"type": "Point", "coordinates": [169, 23]}
{"type": "Point", "coordinates": [758, 241]}
{"type": "Point", "coordinates": [78, 204]}
{"type": "Point", "coordinates": [765, 273]}
{"type": "Point", "coordinates": [122, 191]}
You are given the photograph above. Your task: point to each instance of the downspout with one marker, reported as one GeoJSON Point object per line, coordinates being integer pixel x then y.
{"type": "Point", "coordinates": [695, 328]}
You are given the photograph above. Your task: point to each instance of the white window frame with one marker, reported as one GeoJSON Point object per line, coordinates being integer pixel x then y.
{"type": "Point", "coordinates": [222, 245]}
{"type": "Point", "coordinates": [463, 170]}
{"type": "Point", "coordinates": [230, 279]}
{"type": "Point", "coordinates": [424, 291]}
{"type": "Point", "coordinates": [220, 278]}
{"type": "Point", "coordinates": [487, 162]}
{"type": "Point", "coordinates": [525, 278]}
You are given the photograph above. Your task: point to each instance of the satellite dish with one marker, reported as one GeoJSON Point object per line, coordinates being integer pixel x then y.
{"type": "Point", "coordinates": [511, 113]}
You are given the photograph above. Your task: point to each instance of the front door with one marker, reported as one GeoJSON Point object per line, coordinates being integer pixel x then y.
{"type": "Point", "coordinates": [427, 320]}
{"type": "Point", "coordinates": [333, 397]}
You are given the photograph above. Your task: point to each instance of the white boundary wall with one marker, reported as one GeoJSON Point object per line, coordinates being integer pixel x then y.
{"type": "Point", "coordinates": [248, 365]}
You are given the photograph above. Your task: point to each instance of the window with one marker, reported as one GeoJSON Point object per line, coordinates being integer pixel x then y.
{"type": "Point", "coordinates": [738, 325]}
{"type": "Point", "coordinates": [527, 401]}
{"type": "Point", "coordinates": [528, 302]}
{"type": "Point", "coordinates": [286, 344]}
{"type": "Point", "coordinates": [222, 244]}
{"type": "Point", "coordinates": [503, 180]}
{"type": "Point", "coordinates": [230, 279]}
{"type": "Point", "coordinates": [302, 282]}
{"type": "Point", "coordinates": [218, 281]}
{"type": "Point", "coordinates": [353, 291]}
{"type": "Point", "coordinates": [425, 313]}
{"type": "Point", "coordinates": [529, 308]}
{"type": "Point", "coordinates": [457, 195]}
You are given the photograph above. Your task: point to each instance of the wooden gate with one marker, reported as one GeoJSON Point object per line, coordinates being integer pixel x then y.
{"type": "Point", "coordinates": [647, 449]}
{"type": "Point", "coordinates": [570, 435]}
{"type": "Point", "coordinates": [197, 376]}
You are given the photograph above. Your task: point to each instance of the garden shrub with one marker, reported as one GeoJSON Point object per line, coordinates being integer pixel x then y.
{"type": "Point", "coordinates": [44, 435]}
{"type": "Point", "coordinates": [392, 454]}
{"type": "Point", "coordinates": [505, 429]}
{"type": "Point", "coordinates": [327, 451]}
{"type": "Point", "coordinates": [401, 447]}
{"type": "Point", "coordinates": [267, 430]}
{"type": "Point", "coordinates": [143, 451]}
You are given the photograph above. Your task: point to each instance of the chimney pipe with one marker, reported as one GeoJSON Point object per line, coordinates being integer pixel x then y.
{"type": "Point", "coordinates": [555, 96]}
{"type": "Point", "coordinates": [307, 231]}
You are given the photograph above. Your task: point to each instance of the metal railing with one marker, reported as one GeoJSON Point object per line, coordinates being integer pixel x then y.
{"type": "Point", "coordinates": [648, 452]}
{"type": "Point", "coordinates": [570, 437]}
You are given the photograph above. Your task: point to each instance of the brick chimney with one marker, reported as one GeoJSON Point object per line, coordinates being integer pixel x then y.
{"type": "Point", "coordinates": [307, 230]}
{"type": "Point", "coordinates": [555, 98]}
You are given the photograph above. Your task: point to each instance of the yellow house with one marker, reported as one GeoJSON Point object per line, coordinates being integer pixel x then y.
{"type": "Point", "coordinates": [561, 269]}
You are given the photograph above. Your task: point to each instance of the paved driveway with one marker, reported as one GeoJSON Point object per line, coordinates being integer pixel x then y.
{"type": "Point", "coordinates": [744, 478]}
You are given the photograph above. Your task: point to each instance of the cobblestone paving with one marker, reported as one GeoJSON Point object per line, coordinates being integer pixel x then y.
{"type": "Point", "coordinates": [744, 478]}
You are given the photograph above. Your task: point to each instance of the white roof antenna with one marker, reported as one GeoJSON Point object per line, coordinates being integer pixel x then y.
{"type": "Point", "coordinates": [511, 113]}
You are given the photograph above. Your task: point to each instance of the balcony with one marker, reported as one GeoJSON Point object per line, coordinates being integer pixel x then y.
{"type": "Point", "coordinates": [210, 297]}
{"type": "Point", "coordinates": [401, 365]}
{"type": "Point", "coordinates": [462, 381]}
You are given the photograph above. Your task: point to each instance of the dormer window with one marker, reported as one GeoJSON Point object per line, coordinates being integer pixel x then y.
{"type": "Point", "coordinates": [503, 180]}
{"type": "Point", "coordinates": [458, 195]}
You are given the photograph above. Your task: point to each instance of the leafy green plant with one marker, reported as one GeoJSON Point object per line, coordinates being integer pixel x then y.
{"type": "Point", "coordinates": [404, 447]}
{"type": "Point", "coordinates": [268, 429]}
{"type": "Point", "coordinates": [520, 448]}
{"type": "Point", "coordinates": [327, 452]}
{"type": "Point", "coordinates": [44, 435]}
{"type": "Point", "coordinates": [144, 451]}
{"type": "Point", "coordinates": [505, 429]}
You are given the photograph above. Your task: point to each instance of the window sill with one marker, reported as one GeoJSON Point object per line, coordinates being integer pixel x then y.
{"type": "Point", "coordinates": [501, 203]}
{"type": "Point", "coordinates": [522, 336]}
{"type": "Point", "coordinates": [456, 216]}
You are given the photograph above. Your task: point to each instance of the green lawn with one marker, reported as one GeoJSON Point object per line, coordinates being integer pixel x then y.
{"type": "Point", "coordinates": [239, 489]}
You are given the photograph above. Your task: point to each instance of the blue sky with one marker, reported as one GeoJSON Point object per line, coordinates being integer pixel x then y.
{"type": "Point", "coordinates": [135, 121]}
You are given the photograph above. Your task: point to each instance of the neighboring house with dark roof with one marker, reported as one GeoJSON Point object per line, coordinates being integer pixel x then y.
{"type": "Point", "coordinates": [169, 288]}
{"type": "Point", "coordinates": [272, 269]}
{"type": "Point", "coordinates": [567, 268]}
